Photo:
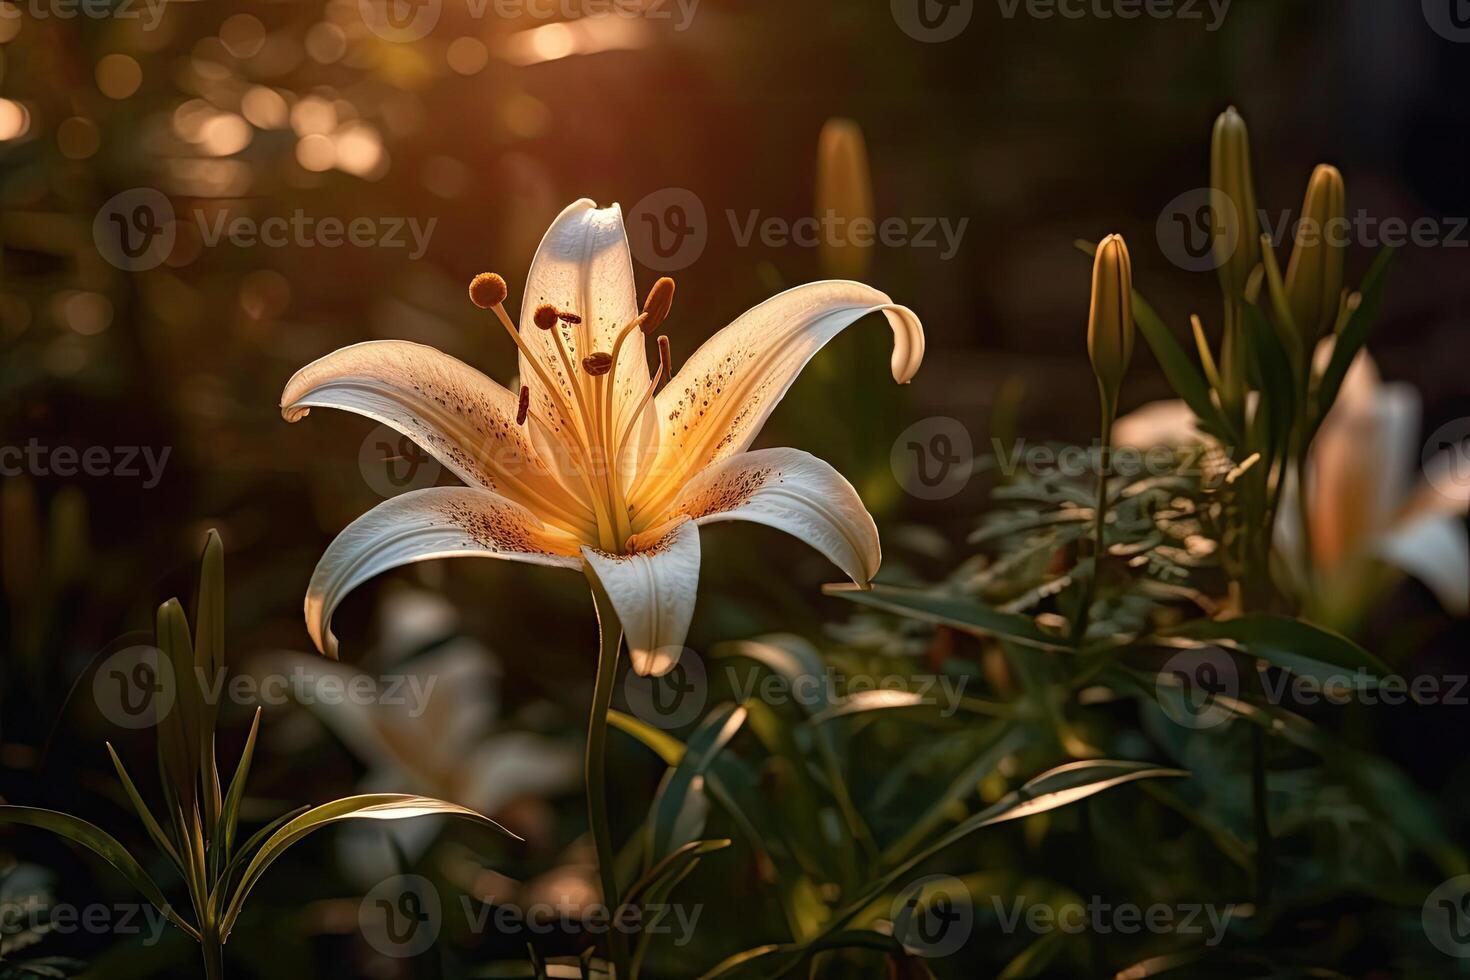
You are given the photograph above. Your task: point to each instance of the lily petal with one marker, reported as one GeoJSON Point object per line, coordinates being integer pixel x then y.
{"type": "Point", "coordinates": [717, 403]}
{"type": "Point", "coordinates": [794, 492]}
{"type": "Point", "coordinates": [439, 522]}
{"type": "Point", "coordinates": [653, 591]}
{"type": "Point", "coordinates": [1166, 423]}
{"type": "Point", "coordinates": [1435, 549]}
{"type": "Point", "coordinates": [459, 416]}
{"type": "Point", "coordinates": [584, 267]}
{"type": "Point", "coordinates": [1360, 467]}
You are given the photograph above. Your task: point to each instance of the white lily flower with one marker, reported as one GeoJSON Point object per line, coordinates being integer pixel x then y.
{"type": "Point", "coordinates": [1361, 503]}
{"type": "Point", "coordinates": [593, 467]}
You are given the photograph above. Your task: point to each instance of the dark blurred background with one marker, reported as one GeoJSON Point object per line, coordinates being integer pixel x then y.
{"type": "Point", "coordinates": [1033, 131]}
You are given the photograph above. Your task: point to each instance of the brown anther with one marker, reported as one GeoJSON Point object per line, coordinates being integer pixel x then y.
{"type": "Point", "coordinates": [665, 359]}
{"type": "Point", "coordinates": [525, 407]}
{"type": "Point", "coordinates": [657, 306]}
{"type": "Point", "coordinates": [597, 364]}
{"type": "Point", "coordinates": [487, 290]}
{"type": "Point", "coordinates": [545, 316]}
{"type": "Point", "coordinates": [566, 317]}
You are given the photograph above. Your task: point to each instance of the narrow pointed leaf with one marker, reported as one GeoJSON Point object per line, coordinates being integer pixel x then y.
{"type": "Point", "coordinates": [229, 817]}
{"type": "Point", "coordinates": [376, 806]}
{"type": "Point", "coordinates": [144, 814]}
{"type": "Point", "coordinates": [1354, 335]}
{"type": "Point", "coordinates": [1285, 642]}
{"type": "Point", "coordinates": [959, 612]}
{"type": "Point", "coordinates": [103, 844]}
{"type": "Point", "coordinates": [676, 809]}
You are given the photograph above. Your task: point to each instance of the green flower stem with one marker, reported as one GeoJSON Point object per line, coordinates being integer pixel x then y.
{"type": "Point", "coordinates": [596, 769]}
{"type": "Point", "coordinates": [1099, 545]}
{"type": "Point", "coordinates": [214, 955]}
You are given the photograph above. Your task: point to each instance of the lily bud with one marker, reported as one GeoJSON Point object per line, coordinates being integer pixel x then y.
{"type": "Point", "coordinates": [1110, 323]}
{"type": "Point", "coordinates": [844, 199]}
{"type": "Point", "coordinates": [487, 290]}
{"type": "Point", "coordinates": [657, 306]}
{"type": "Point", "coordinates": [545, 316]}
{"type": "Point", "coordinates": [1233, 218]}
{"type": "Point", "coordinates": [597, 364]}
{"type": "Point", "coordinates": [1314, 275]}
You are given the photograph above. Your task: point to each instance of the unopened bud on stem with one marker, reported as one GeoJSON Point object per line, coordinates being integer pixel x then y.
{"type": "Point", "coordinates": [1110, 323]}
{"type": "Point", "coordinates": [1314, 275]}
{"type": "Point", "coordinates": [1233, 219]}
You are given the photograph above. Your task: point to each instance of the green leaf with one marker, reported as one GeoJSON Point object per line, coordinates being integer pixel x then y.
{"type": "Point", "coordinates": [960, 612]}
{"type": "Point", "coordinates": [1354, 335]}
{"type": "Point", "coordinates": [209, 664]}
{"type": "Point", "coordinates": [229, 817]}
{"type": "Point", "coordinates": [789, 657]}
{"type": "Point", "coordinates": [1056, 788]}
{"type": "Point", "coordinates": [664, 745]}
{"type": "Point", "coordinates": [103, 844]}
{"type": "Point", "coordinates": [654, 888]}
{"type": "Point", "coordinates": [376, 806]}
{"type": "Point", "coordinates": [144, 814]}
{"type": "Point", "coordinates": [866, 702]}
{"type": "Point", "coordinates": [178, 741]}
{"type": "Point", "coordinates": [1284, 642]}
{"type": "Point", "coordinates": [676, 814]}
{"type": "Point", "coordinates": [964, 785]}
{"type": "Point", "coordinates": [1275, 377]}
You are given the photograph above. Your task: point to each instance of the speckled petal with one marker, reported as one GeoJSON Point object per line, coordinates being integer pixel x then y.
{"type": "Point", "coordinates": [794, 492]}
{"type": "Point", "coordinates": [717, 402]}
{"type": "Point", "coordinates": [440, 522]}
{"type": "Point", "coordinates": [584, 267]}
{"type": "Point", "coordinates": [458, 415]}
{"type": "Point", "coordinates": [653, 592]}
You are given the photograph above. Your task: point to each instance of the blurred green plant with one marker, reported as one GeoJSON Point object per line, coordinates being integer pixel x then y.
{"type": "Point", "coordinates": [201, 823]}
